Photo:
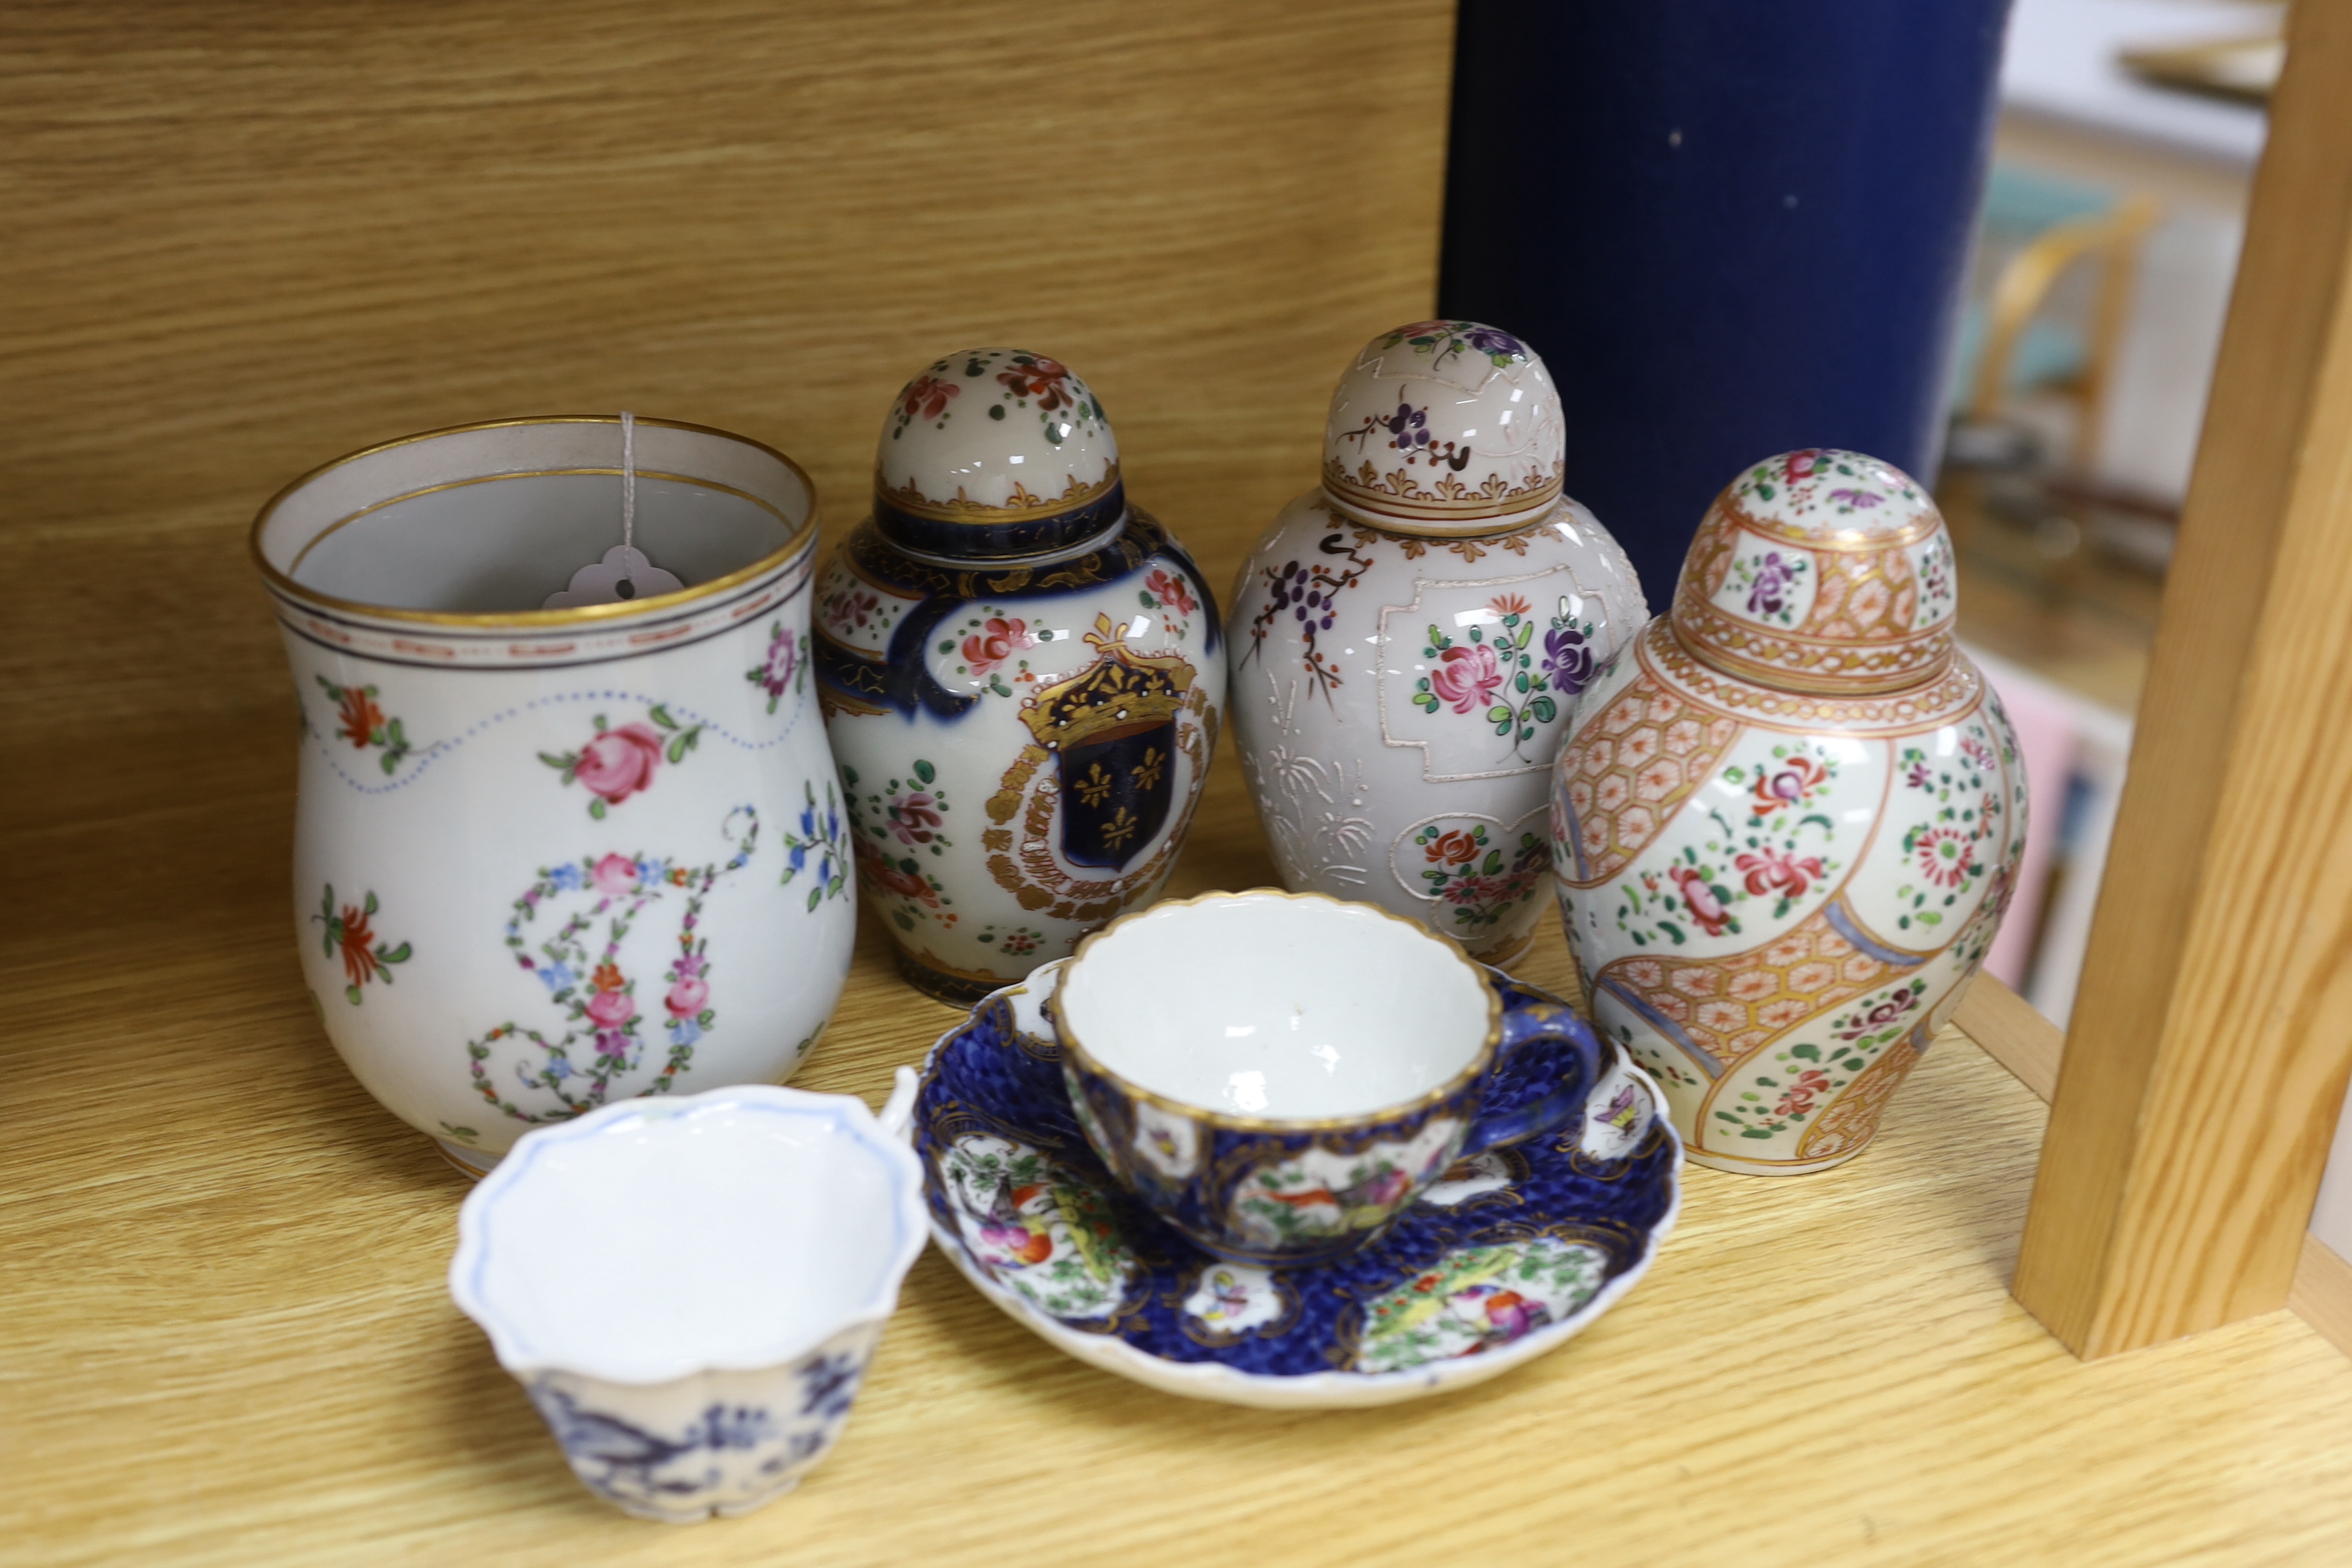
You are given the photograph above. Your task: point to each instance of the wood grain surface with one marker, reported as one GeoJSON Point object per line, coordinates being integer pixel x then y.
{"type": "Point", "coordinates": [2211, 1036]}
{"type": "Point", "coordinates": [246, 237]}
{"type": "Point", "coordinates": [2004, 1026]}
{"type": "Point", "coordinates": [2322, 1293]}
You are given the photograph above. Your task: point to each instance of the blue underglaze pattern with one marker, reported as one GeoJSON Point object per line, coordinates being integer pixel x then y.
{"type": "Point", "coordinates": [902, 681]}
{"type": "Point", "coordinates": [1506, 1244]}
{"type": "Point", "coordinates": [1289, 1199]}
{"type": "Point", "coordinates": [965, 538]}
{"type": "Point", "coordinates": [727, 1458]}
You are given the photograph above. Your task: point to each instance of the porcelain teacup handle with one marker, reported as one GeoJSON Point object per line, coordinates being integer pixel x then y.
{"type": "Point", "coordinates": [897, 1113]}
{"type": "Point", "coordinates": [1548, 1029]}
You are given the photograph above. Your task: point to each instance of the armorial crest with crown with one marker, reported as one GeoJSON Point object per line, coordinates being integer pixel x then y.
{"type": "Point", "coordinates": [1021, 674]}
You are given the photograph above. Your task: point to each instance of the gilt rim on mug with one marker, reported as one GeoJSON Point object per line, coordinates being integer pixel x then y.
{"type": "Point", "coordinates": [775, 560]}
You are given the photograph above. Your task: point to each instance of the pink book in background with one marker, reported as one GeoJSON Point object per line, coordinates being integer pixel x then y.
{"type": "Point", "coordinates": [2049, 733]}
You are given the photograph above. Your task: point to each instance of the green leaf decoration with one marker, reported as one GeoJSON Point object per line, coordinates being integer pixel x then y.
{"type": "Point", "coordinates": [370, 907]}
{"type": "Point", "coordinates": [596, 808]}
{"type": "Point", "coordinates": [395, 955]}
{"type": "Point", "coordinates": [351, 994]}
{"type": "Point", "coordinates": [924, 771]}
{"type": "Point", "coordinates": [659, 714]}
{"type": "Point", "coordinates": [1526, 630]}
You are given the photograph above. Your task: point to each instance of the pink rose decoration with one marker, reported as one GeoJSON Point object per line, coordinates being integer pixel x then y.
{"type": "Point", "coordinates": [1170, 590]}
{"type": "Point", "coordinates": [686, 998]}
{"type": "Point", "coordinates": [1466, 676]}
{"type": "Point", "coordinates": [998, 640]}
{"type": "Point", "coordinates": [615, 874]}
{"type": "Point", "coordinates": [611, 1009]}
{"type": "Point", "coordinates": [1700, 900]}
{"type": "Point", "coordinates": [619, 763]}
{"type": "Point", "coordinates": [1771, 870]}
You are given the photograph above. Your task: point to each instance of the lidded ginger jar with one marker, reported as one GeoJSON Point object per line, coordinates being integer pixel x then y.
{"type": "Point", "coordinates": [1787, 819]}
{"type": "Point", "coordinates": [1408, 636]}
{"type": "Point", "coordinates": [1021, 674]}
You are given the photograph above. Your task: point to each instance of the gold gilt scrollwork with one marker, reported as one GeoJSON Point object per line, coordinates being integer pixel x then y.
{"type": "Point", "coordinates": [1119, 688]}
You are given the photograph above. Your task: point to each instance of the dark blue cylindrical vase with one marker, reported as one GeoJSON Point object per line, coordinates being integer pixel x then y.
{"type": "Point", "coordinates": [1733, 228]}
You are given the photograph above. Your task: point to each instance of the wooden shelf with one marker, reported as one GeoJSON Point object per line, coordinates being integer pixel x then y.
{"type": "Point", "coordinates": [228, 1340]}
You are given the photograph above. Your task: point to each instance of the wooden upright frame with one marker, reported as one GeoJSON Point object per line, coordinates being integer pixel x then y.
{"type": "Point", "coordinates": [2213, 1033]}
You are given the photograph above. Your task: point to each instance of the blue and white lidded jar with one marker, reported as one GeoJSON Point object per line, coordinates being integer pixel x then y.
{"type": "Point", "coordinates": [1021, 674]}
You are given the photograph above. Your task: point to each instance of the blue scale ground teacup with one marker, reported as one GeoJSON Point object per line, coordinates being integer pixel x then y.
{"type": "Point", "coordinates": [1279, 1076]}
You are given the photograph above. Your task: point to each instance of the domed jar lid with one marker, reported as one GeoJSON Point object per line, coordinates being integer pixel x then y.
{"type": "Point", "coordinates": [1821, 571]}
{"type": "Point", "coordinates": [1443, 427]}
{"type": "Point", "coordinates": [994, 453]}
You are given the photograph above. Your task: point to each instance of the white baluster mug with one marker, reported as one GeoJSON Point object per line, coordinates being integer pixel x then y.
{"type": "Point", "coordinates": [550, 860]}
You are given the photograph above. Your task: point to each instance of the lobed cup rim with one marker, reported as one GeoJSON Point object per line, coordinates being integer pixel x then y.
{"type": "Point", "coordinates": [286, 586]}
{"type": "Point", "coordinates": [1477, 1066]}
{"type": "Point", "coordinates": [848, 1112]}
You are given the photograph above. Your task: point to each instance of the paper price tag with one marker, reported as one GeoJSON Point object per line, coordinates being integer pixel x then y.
{"type": "Point", "coordinates": [623, 573]}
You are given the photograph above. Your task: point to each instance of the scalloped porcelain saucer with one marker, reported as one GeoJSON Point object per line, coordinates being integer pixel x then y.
{"type": "Point", "coordinates": [1509, 1257]}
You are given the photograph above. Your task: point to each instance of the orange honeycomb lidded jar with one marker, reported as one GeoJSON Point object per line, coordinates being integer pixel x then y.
{"type": "Point", "coordinates": [1821, 571]}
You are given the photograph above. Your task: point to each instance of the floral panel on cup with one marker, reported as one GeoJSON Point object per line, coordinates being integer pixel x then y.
{"type": "Point", "coordinates": [1324, 1193]}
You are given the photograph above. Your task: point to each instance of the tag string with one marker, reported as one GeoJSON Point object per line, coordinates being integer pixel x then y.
{"type": "Point", "coordinates": [629, 496]}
